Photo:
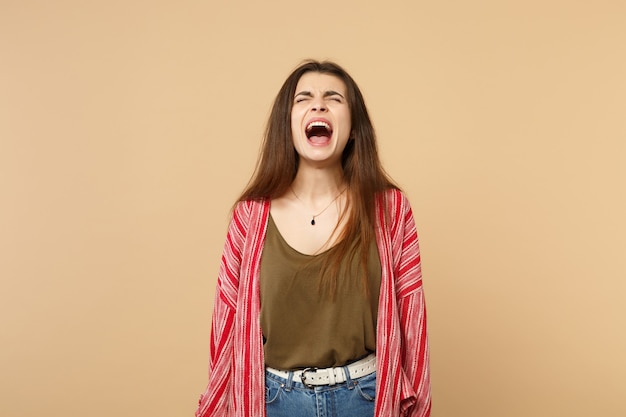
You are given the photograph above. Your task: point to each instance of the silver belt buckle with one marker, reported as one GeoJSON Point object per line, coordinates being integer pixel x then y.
{"type": "Point", "coordinates": [303, 376]}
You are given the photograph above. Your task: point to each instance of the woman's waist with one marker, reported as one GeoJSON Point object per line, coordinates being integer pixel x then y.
{"type": "Point", "coordinates": [313, 376]}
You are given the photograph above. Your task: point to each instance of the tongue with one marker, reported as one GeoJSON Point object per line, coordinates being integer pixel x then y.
{"type": "Point", "coordinates": [319, 140]}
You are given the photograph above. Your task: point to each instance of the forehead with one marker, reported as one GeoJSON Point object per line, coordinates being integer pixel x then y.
{"type": "Point", "coordinates": [320, 82]}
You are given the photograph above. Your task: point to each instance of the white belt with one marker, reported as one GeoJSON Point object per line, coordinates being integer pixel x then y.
{"type": "Point", "coordinates": [330, 376]}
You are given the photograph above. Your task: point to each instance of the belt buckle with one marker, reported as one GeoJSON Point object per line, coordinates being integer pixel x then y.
{"type": "Point", "coordinates": [303, 376]}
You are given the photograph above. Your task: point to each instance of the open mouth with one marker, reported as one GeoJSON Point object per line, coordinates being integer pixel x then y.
{"type": "Point", "coordinates": [318, 131]}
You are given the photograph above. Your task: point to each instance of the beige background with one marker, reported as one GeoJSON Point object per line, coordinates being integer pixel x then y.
{"type": "Point", "coordinates": [127, 129]}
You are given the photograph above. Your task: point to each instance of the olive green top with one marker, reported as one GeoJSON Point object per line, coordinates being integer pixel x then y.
{"type": "Point", "coordinates": [303, 325]}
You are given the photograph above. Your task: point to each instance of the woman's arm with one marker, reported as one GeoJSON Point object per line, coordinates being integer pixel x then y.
{"type": "Point", "coordinates": [217, 398]}
{"type": "Point", "coordinates": [412, 311]}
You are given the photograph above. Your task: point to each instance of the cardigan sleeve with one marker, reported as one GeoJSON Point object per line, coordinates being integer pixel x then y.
{"type": "Point", "coordinates": [412, 311]}
{"type": "Point", "coordinates": [217, 398]}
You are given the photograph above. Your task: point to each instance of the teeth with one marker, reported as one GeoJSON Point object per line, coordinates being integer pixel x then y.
{"type": "Point", "coordinates": [317, 124]}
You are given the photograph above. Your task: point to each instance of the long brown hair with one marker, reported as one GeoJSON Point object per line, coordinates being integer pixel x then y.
{"type": "Point", "coordinates": [363, 173]}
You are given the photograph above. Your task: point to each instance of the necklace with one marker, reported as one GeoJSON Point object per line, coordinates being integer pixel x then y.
{"type": "Point", "coordinates": [325, 208]}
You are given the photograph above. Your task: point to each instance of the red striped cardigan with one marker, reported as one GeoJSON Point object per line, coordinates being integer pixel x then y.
{"type": "Point", "coordinates": [236, 385]}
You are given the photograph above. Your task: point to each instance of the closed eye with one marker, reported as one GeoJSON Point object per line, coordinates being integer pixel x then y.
{"type": "Point", "coordinates": [333, 95]}
{"type": "Point", "coordinates": [301, 96]}
{"type": "Point", "coordinates": [328, 95]}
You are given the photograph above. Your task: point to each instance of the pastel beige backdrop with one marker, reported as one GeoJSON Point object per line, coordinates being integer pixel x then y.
{"type": "Point", "coordinates": [128, 128]}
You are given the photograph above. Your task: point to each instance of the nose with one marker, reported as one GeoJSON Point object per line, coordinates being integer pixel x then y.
{"type": "Point", "coordinates": [318, 105]}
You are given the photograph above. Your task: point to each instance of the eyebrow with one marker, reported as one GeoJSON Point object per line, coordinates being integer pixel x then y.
{"type": "Point", "coordinates": [326, 94]}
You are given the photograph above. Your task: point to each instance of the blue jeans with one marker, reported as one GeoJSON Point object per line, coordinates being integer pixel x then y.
{"type": "Point", "coordinates": [289, 398]}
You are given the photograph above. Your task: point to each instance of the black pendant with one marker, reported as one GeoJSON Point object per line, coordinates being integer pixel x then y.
{"type": "Point", "coordinates": [313, 221]}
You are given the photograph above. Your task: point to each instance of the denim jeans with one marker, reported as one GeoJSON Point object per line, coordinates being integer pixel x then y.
{"type": "Point", "coordinates": [289, 398]}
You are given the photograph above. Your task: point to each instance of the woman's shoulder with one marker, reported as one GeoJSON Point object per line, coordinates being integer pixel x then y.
{"type": "Point", "coordinates": [249, 212]}
{"type": "Point", "coordinates": [394, 210]}
{"type": "Point", "coordinates": [249, 205]}
{"type": "Point", "coordinates": [394, 200]}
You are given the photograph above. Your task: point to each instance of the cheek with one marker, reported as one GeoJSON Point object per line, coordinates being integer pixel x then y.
{"type": "Point", "coordinates": [295, 121]}
{"type": "Point", "coordinates": [295, 131]}
{"type": "Point", "coordinates": [346, 117]}
{"type": "Point", "coordinates": [348, 125]}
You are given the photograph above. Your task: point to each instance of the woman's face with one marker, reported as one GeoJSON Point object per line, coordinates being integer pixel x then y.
{"type": "Point", "coordinates": [320, 119]}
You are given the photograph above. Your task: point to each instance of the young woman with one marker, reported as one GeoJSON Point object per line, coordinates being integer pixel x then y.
{"type": "Point", "coordinates": [319, 308]}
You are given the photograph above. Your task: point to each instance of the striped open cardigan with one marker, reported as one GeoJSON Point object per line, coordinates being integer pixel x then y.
{"type": "Point", "coordinates": [236, 385]}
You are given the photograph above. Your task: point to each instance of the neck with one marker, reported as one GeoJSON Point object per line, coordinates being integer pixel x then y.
{"type": "Point", "coordinates": [313, 185]}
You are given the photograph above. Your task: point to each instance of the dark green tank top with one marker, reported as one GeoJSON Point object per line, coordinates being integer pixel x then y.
{"type": "Point", "coordinates": [303, 326]}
